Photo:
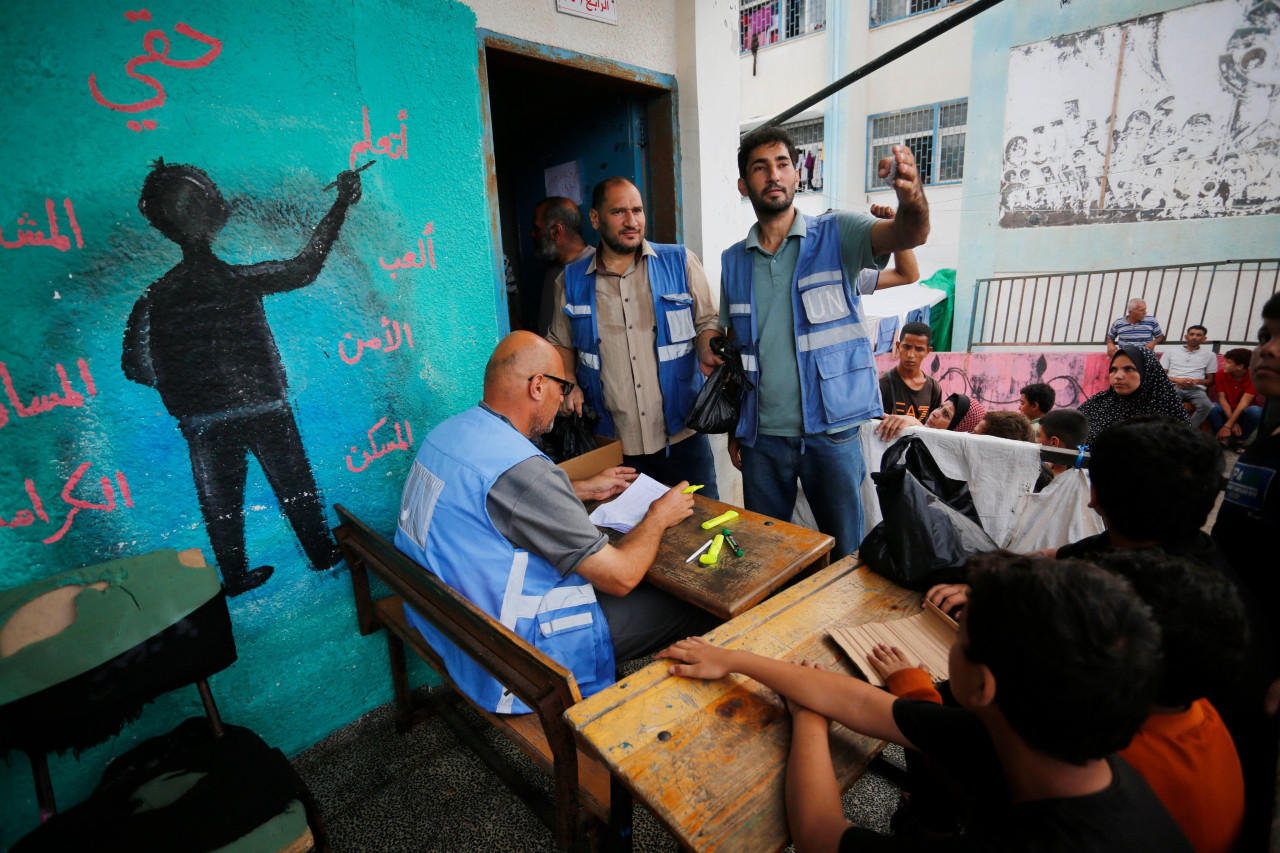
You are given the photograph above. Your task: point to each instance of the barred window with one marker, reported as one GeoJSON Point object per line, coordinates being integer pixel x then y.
{"type": "Point", "coordinates": [934, 133]}
{"type": "Point", "coordinates": [951, 124]}
{"type": "Point", "coordinates": [883, 11]}
{"type": "Point", "coordinates": [765, 22]}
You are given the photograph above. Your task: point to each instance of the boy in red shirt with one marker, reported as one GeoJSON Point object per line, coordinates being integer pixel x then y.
{"type": "Point", "coordinates": [1237, 413]}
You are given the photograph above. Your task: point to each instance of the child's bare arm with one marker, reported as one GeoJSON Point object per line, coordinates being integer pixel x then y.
{"type": "Point", "coordinates": [848, 700]}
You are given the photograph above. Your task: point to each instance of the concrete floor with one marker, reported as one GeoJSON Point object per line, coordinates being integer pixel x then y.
{"type": "Point", "coordinates": [425, 791]}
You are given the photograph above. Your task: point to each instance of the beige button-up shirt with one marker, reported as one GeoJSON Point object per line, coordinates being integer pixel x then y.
{"type": "Point", "coordinates": [628, 346]}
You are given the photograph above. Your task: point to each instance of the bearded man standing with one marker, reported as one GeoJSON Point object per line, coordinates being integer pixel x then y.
{"type": "Point", "coordinates": [792, 297]}
{"type": "Point", "coordinates": [625, 325]}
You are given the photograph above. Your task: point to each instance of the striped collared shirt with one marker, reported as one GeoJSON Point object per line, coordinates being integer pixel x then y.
{"type": "Point", "coordinates": [1145, 330]}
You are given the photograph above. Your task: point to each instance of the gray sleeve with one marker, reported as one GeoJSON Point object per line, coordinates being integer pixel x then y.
{"type": "Point", "coordinates": [855, 242]}
{"type": "Point", "coordinates": [867, 281]}
{"type": "Point", "coordinates": [534, 506]}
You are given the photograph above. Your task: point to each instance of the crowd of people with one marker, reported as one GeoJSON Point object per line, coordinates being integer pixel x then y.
{"type": "Point", "coordinates": [1139, 383]}
{"type": "Point", "coordinates": [1114, 692]}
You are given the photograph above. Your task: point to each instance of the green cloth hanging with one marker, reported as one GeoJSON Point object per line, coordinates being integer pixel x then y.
{"type": "Point", "coordinates": [940, 314]}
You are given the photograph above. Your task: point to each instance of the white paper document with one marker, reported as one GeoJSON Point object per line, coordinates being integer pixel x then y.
{"type": "Point", "coordinates": [625, 511]}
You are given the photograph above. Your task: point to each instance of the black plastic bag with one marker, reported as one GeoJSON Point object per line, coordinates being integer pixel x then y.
{"type": "Point", "coordinates": [571, 435]}
{"type": "Point", "coordinates": [718, 404]}
{"type": "Point", "coordinates": [930, 528]}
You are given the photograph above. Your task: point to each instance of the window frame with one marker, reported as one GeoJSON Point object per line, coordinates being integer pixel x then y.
{"type": "Point", "coordinates": [874, 185]}
{"type": "Point", "coordinates": [784, 6]}
{"type": "Point", "coordinates": [942, 4]}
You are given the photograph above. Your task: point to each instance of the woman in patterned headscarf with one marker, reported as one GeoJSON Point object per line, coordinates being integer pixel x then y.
{"type": "Point", "coordinates": [957, 413]}
{"type": "Point", "coordinates": [1139, 386]}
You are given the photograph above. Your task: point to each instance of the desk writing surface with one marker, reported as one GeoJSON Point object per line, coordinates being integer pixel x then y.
{"type": "Point", "coordinates": [773, 553]}
{"type": "Point", "coordinates": [708, 758]}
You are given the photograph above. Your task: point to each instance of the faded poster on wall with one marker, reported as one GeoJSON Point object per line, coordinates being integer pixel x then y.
{"type": "Point", "coordinates": [1169, 116]}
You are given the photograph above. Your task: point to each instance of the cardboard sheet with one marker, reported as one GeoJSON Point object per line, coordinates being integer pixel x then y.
{"type": "Point", "coordinates": [924, 638]}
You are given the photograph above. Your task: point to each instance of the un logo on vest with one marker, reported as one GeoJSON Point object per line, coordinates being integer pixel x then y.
{"type": "Point", "coordinates": [825, 304]}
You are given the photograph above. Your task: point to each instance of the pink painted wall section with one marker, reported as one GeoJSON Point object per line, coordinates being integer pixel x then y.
{"type": "Point", "coordinates": [997, 379]}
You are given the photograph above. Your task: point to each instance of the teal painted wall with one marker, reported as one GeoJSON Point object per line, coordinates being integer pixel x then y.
{"type": "Point", "coordinates": [986, 249]}
{"type": "Point", "coordinates": [272, 119]}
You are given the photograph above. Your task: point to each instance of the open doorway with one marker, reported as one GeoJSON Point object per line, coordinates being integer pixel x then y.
{"type": "Point", "coordinates": [580, 116]}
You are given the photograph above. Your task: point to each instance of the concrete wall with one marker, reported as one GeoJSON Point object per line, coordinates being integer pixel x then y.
{"type": "Point", "coordinates": [987, 249]}
{"type": "Point", "coordinates": [272, 117]}
{"type": "Point", "coordinates": [785, 73]}
{"type": "Point", "coordinates": [642, 36]}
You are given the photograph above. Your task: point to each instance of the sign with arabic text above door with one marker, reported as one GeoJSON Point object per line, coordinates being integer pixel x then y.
{"type": "Point", "coordinates": [596, 10]}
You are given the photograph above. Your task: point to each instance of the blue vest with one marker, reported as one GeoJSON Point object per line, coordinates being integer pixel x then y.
{"type": "Point", "coordinates": [678, 374]}
{"type": "Point", "coordinates": [838, 386]}
{"type": "Point", "coordinates": [445, 527]}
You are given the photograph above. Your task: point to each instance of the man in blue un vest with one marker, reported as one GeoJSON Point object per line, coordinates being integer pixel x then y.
{"type": "Point", "coordinates": [625, 325]}
{"type": "Point", "coordinates": [488, 513]}
{"type": "Point", "coordinates": [792, 299]}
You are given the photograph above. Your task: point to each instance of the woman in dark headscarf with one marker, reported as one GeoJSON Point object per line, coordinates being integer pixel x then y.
{"type": "Point", "coordinates": [1139, 386]}
{"type": "Point", "coordinates": [957, 413]}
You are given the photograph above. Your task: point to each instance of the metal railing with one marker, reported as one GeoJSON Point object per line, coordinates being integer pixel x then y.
{"type": "Point", "coordinates": [1077, 309]}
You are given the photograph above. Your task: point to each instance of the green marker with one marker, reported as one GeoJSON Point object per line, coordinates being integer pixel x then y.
{"type": "Point", "coordinates": [732, 542]}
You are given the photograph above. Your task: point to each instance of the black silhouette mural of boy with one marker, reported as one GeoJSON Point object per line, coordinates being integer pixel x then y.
{"type": "Point", "coordinates": [199, 336]}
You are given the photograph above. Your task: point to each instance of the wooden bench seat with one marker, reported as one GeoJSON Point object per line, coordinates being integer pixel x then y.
{"type": "Point", "coordinates": [579, 813]}
{"type": "Point", "coordinates": [524, 730]}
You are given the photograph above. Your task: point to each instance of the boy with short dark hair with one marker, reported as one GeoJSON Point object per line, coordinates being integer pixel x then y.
{"type": "Point", "coordinates": [1054, 667]}
{"type": "Point", "coordinates": [1036, 401]}
{"type": "Point", "coordinates": [1065, 428]}
{"type": "Point", "coordinates": [1184, 750]}
{"type": "Point", "coordinates": [1154, 481]}
{"type": "Point", "coordinates": [1236, 414]}
{"type": "Point", "coordinates": [908, 394]}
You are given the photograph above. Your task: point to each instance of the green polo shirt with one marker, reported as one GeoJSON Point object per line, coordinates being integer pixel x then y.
{"type": "Point", "coordinates": [773, 278]}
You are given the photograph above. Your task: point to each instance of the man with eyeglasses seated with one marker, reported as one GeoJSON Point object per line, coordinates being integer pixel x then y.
{"type": "Point", "coordinates": [489, 514]}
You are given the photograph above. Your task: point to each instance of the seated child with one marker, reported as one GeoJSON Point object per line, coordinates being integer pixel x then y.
{"type": "Point", "coordinates": [1011, 425]}
{"type": "Point", "coordinates": [1065, 428]}
{"type": "Point", "coordinates": [1184, 750]}
{"type": "Point", "coordinates": [1036, 401]}
{"type": "Point", "coordinates": [1054, 668]}
{"type": "Point", "coordinates": [1236, 414]}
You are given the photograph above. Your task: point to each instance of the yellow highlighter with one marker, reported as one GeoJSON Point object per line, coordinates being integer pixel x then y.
{"type": "Point", "coordinates": [690, 490]}
{"type": "Point", "coordinates": [713, 554]}
{"type": "Point", "coordinates": [719, 520]}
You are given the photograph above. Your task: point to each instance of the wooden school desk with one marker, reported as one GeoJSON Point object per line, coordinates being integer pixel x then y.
{"type": "Point", "coordinates": [709, 758]}
{"type": "Point", "coordinates": [774, 552]}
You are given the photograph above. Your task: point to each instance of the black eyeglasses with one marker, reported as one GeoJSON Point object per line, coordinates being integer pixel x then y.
{"type": "Point", "coordinates": [565, 385]}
